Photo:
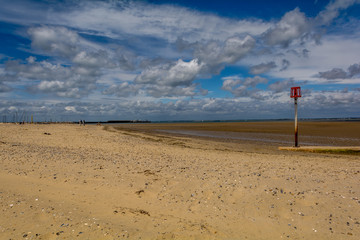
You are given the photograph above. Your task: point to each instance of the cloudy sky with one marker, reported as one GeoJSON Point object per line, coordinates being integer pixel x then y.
{"type": "Point", "coordinates": [184, 59]}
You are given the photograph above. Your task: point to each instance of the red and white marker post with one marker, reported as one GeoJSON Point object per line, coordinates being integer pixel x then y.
{"type": "Point", "coordinates": [295, 93]}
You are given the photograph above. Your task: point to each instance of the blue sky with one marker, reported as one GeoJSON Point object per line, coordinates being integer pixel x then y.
{"type": "Point", "coordinates": [171, 60]}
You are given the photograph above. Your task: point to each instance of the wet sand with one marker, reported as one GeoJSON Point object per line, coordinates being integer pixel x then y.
{"type": "Point", "coordinates": [279, 133]}
{"type": "Point", "coordinates": [84, 182]}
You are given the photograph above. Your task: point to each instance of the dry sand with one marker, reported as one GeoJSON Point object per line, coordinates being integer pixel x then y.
{"type": "Point", "coordinates": [83, 182]}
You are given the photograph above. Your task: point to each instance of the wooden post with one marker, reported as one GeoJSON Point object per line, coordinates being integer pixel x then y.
{"type": "Point", "coordinates": [295, 93]}
{"type": "Point", "coordinates": [296, 122]}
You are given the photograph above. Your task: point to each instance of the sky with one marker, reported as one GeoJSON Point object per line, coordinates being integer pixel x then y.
{"type": "Point", "coordinates": [163, 60]}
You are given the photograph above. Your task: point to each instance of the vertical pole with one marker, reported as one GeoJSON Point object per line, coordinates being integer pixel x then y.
{"type": "Point", "coordinates": [296, 123]}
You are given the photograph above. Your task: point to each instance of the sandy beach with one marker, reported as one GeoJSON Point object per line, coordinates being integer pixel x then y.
{"type": "Point", "coordinates": [65, 181]}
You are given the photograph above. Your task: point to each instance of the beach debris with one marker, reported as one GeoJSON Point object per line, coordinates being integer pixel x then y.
{"type": "Point", "coordinates": [139, 192]}
{"type": "Point", "coordinates": [143, 212]}
{"type": "Point", "coordinates": [148, 172]}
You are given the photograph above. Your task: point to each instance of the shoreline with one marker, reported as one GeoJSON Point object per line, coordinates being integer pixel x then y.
{"type": "Point", "coordinates": [273, 133]}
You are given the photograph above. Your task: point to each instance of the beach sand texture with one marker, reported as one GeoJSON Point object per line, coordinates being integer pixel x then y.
{"type": "Point", "coordinates": [84, 182]}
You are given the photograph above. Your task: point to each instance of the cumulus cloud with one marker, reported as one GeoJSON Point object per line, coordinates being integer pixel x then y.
{"type": "Point", "coordinates": [284, 64]}
{"type": "Point", "coordinates": [178, 91]}
{"type": "Point", "coordinates": [232, 84]}
{"type": "Point", "coordinates": [171, 79]}
{"type": "Point", "coordinates": [161, 21]}
{"type": "Point", "coordinates": [334, 73]}
{"type": "Point", "coordinates": [33, 70]}
{"type": "Point", "coordinates": [320, 103]}
{"type": "Point", "coordinates": [242, 87]}
{"type": "Point", "coordinates": [280, 86]}
{"type": "Point", "coordinates": [332, 10]}
{"type": "Point", "coordinates": [214, 53]}
{"type": "Point", "coordinates": [336, 98]}
{"type": "Point", "coordinates": [43, 76]}
{"type": "Point", "coordinates": [124, 89]}
{"type": "Point", "coordinates": [55, 40]}
{"type": "Point", "coordinates": [69, 45]}
{"type": "Point", "coordinates": [254, 81]}
{"type": "Point", "coordinates": [178, 74]}
{"type": "Point", "coordinates": [339, 73]}
{"type": "Point", "coordinates": [82, 63]}
{"type": "Point", "coordinates": [92, 59]}
{"type": "Point", "coordinates": [293, 25]}
{"type": "Point", "coordinates": [262, 68]}
{"type": "Point", "coordinates": [354, 70]}
{"type": "Point", "coordinates": [4, 88]}
{"type": "Point", "coordinates": [70, 109]}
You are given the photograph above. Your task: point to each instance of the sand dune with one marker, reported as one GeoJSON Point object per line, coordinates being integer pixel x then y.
{"type": "Point", "coordinates": [70, 181]}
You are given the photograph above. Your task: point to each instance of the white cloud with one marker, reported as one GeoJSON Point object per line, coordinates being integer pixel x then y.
{"type": "Point", "coordinates": [333, 52]}
{"type": "Point", "coordinates": [293, 25]}
{"type": "Point", "coordinates": [335, 73]}
{"type": "Point", "coordinates": [332, 10]}
{"type": "Point", "coordinates": [254, 81]}
{"type": "Point", "coordinates": [160, 21]}
{"type": "Point", "coordinates": [158, 91]}
{"type": "Point", "coordinates": [280, 86]}
{"type": "Point", "coordinates": [262, 68]}
{"type": "Point", "coordinates": [339, 73]}
{"type": "Point", "coordinates": [49, 85]}
{"type": "Point", "coordinates": [354, 70]}
{"type": "Point", "coordinates": [242, 87]}
{"type": "Point", "coordinates": [321, 104]}
{"type": "Point", "coordinates": [55, 40]}
{"type": "Point", "coordinates": [4, 88]}
{"type": "Point", "coordinates": [179, 74]}
{"type": "Point", "coordinates": [68, 44]}
{"type": "Point", "coordinates": [124, 18]}
{"type": "Point", "coordinates": [64, 81]}
{"type": "Point", "coordinates": [124, 89]}
{"type": "Point", "coordinates": [70, 109]}
{"type": "Point", "coordinates": [214, 53]}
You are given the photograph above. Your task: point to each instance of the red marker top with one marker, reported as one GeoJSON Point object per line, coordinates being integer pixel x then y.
{"type": "Point", "coordinates": [295, 92]}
